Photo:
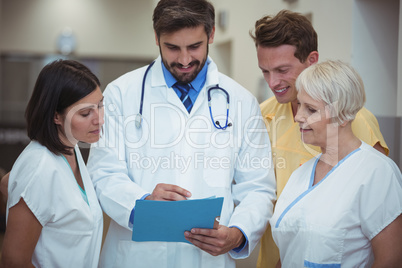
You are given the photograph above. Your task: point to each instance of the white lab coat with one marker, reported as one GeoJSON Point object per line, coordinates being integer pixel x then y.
{"type": "Point", "coordinates": [184, 149]}
{"type": "Point", "coordinates": [71, 233]}
{"type": "Point", "coordinates": [333, 222]}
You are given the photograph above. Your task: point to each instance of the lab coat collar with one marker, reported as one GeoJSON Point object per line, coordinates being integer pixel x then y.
{"type": "Point", "coordinates": [158, 79]}
{"type": "Point", "coordinates": [197, 84]}
{"type": "Point", "coordinates": [212, 74]}
{"type": "Point", "coordinates": [158, 82]}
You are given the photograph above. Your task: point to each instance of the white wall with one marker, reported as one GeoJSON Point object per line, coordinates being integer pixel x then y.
{"type": "Point", "coordinates": [103, 28]}
{"type": "Point", "coordinates": [375, 50]}
{"type": "Point", "coordinates": [356, 31]}
{"type": "Point", "coordinates": [123, 28]}
{"type": "Point", "coordinates": [361, 32]}
{"type": "Point", "coordinates": [331, 20]}
{"type": "Point", "coordinates": [241, 19]}
{"type": "Point", "coordinates": [334, 34]}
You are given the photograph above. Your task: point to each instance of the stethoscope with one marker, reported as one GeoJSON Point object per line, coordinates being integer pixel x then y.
{"type": "Point", "coordinates": [138, 118]}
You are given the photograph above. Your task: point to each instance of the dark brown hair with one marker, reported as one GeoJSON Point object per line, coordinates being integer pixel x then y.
{"type": "Point", "coordinates": [286, 28]}
{"type": "Point", "coordinates": [173, 15]}
{"type": "Point", "coordinates": [60, 84]}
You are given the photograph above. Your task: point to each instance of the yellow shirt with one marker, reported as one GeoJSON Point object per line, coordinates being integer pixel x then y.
{"type": "Point", "coordinates": [289, 152]}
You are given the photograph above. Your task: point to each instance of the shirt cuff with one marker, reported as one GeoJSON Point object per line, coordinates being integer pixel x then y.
{"type": "Point", "coordinates": [131, 220]}
{"type": "Point", "coordinates": [244, 244]}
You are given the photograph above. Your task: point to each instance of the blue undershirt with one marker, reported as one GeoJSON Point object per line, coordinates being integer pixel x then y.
{"type": "Point", "coordinates": [82, 191]}
{"type": "Point", "coordinates": [196, 85]}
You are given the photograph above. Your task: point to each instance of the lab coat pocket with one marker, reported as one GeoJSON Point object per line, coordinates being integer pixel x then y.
{"type": "Point", "coordinates": [218, 160]}
{"type": "Point", "coordinates": [325, 247]}
{"type": "Point", "coordinates": [65, 248]}
{"type": "Point", "coordinates": [218, 178]}
{"type": "Point", "coordinates": [141, 254]}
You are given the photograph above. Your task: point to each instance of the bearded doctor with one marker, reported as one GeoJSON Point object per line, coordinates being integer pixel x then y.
{"type": "Point", "coordinates": [343, 207]}
{"type": "Point", "coordinates": [163, 141]}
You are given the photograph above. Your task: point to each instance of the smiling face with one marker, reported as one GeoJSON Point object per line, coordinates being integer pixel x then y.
{"type": "Point", "coordinates": [315, 122]}
{"type": "Point", "coordinates": [83, 120]}
{"type": "Point", "coordinates": [184, 52]}
{"type": "Point", "coordinates": [281, 68]}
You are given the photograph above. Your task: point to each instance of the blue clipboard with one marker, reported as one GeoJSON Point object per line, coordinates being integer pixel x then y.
{"type": "Point", "coordinates": [168, 220]}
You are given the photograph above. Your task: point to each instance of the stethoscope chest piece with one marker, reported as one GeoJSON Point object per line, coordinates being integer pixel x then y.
{"type": "Point", "coordinates": [138, 119]}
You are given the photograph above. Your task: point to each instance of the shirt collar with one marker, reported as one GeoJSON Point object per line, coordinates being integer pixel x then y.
{"type": "Point", "coordinates": [196, 84]}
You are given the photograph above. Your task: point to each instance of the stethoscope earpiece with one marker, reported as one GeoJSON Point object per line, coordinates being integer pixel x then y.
{"type": "Point", "coordinates": [217, 123]}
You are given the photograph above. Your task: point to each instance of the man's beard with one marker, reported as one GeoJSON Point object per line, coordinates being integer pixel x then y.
{"type": "Point", "coordinates": [185, 78]}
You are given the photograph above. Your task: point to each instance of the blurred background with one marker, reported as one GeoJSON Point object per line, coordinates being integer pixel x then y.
{"type": "Point", "coordinates": [115, 36]}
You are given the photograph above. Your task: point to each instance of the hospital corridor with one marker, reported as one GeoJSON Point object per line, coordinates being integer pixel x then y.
{"type": "Point", "coordinates": [113, 38]}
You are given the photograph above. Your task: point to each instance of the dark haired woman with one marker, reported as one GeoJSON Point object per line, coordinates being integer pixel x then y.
{"type": "Point", "coordinates": [53, 215]}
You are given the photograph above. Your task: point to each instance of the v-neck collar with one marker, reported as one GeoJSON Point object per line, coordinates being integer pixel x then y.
{"type": "Point", "coordinates": [311, 187]}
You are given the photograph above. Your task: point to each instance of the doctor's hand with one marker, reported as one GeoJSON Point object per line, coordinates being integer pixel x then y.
{"type": "Point", "coordinates": [168, 192]}
{"type": "Point", "coordinates": [216, 241]}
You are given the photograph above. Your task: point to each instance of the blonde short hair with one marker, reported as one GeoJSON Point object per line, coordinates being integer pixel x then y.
{"type": "Point", "coordinates": [337, 84]}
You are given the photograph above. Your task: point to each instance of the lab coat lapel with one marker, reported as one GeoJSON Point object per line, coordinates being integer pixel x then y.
{"type": "Point", "coordinates": [173, 99]}
{"type": "Point", "coordinates": [212, 79]}
{"type": "Point", "coordinates": [212, 74]}
{"type": "Point", "coordinates": [158, 86]}
{"type": "Point", "coordinates": [199, 102]}
{"type": "Point", "coordinates": [89, 188]}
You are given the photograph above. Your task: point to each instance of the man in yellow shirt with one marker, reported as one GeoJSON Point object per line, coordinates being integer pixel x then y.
{"type": "Point", "coordinates": [286, 45]}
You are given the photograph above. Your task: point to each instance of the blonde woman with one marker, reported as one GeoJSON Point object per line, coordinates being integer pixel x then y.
{"type": "Point", "coordinates": [343, 207]}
